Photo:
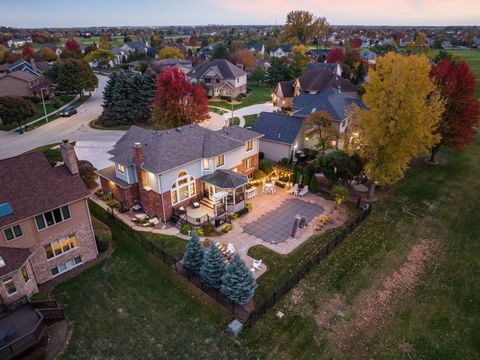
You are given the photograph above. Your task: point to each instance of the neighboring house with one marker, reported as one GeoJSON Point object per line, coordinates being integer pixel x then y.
{"type": "Point", "coordinates": [205, 52]}
{"type": "Point", "coordinates": [120, 55]}
{"type": "Point", "coordinates": [183, 65]}
{"type": "Point", "coordinates": [281, 51]}
{"type": "Point", "coordinates": [333, 68]}
{"type": "Point", "coordinates": [19, 83]}
{"type": "Point", "coordinates": [45, 225]}
{"type": "Point", "coordinates": [167, 171]}
{"type": "Point", "coordinates": [257, 48]}
{"type": "Point", "coordinates": [22, 65]}
{"type": "Point", "coordinates": [131, 46]}
{"type": "Point", "coordinates": [312, 82]}
{"type": "Point", "coordinates": [56, 49]}
{"type": "Point", "coordinates": [334, 101]}
{"type": "Point", "coordinates": [282, 135]}
{"type": "Point", "coordinates": [368, 56]}
{"type": "Point", "coordinates": [260, 63]}
{"type": "Point", "coordinates": [21, 42]}
{"type": "Point", "coordinates": [319, 55]}
{"type": "Point", "coordinates": [220, 77]}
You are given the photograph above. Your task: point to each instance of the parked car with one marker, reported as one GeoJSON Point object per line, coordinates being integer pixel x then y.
{"type": "Point", "coordinates": [68, 111]}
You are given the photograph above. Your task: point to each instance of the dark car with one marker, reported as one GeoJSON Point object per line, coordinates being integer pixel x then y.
{"type": "Point", "coordinates": [68, 111]}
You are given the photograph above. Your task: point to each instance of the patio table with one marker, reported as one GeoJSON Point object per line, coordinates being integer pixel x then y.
{"type": "Point", "coordinates": [269, 188]}
{"type": "Point", "coordinates": [252, 192]}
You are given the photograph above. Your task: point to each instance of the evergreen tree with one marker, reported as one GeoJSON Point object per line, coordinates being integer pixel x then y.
{"type": "Point", "coordinates": [213, 267]}
{"type": "Point", "coordinates": [278, 71]}
{"type": "Point", "coordinates": [238, 284]}
{"type": "Point", "coordinates": [193, 257]}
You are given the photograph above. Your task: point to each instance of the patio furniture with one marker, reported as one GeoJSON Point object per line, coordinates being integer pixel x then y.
{"type": "Point", "coordinates": [304, 191]}
{"type": "Point", "coordinates": [196, 205]}
{"type": "Point", "coordinates": [230, 248]}
{"type": "Point", "coordinates": [136, 208]}
{"type": "Point", "coordinates": [269, 188]}
{"type": "Point", "coordinates": [257, 264]}
{"type": "Point", "coordinates": [141, 216]}
{"type": "Point", "coordinates": [251, 193]}
{"type": "Point", "coordinates": [182, 210]}
{"type": "Point", "coordinates": [293, 189]}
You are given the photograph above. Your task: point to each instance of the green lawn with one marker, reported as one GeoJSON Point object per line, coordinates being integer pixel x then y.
{"type": "Point", "coordinates": [133, 306]}
{"type": "Point", "coordinates": [472, 56]}
{"type": "Point", "coordinates": [39, 112]}
{"type": "Point", "coordinates": [260, 94]}
{"type": "Point", "coordinates": [250, 120]}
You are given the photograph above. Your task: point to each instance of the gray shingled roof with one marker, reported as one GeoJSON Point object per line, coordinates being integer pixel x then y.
{"type": "Point", "coordinates": [322, 79]}
{"type": "Point", "coordinates": [332, 101]}
{"type": "Point", "coordinates": [165, 150]}
{"type": "Point", "coordinates": [278, 127]}
{"type": "Point", "coordinates": [225, 179]}
{"type": "Point", "coordinates": [226, 68]}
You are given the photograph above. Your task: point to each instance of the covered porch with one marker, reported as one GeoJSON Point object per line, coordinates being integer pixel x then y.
{"type": "Point", "coordinates": [224, 191]}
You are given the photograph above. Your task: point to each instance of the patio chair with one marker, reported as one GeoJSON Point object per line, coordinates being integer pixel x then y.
{"type": "Point", "coordinates": [304, 191]}
{"type": "Point", "coordinates": [293, 189]}
{"type": "Point", "coordinates": [230, 249]}
{"type": "Point", "coordinates": [257, 264]}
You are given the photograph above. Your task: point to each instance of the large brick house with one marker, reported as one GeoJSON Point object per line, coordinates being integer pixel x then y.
{"type": "Point", "coordinates": [45, 225]}
{"type": "Point", "coordinates": [220, 77]}
{"type": "Point", "coordinates": [167, 170]}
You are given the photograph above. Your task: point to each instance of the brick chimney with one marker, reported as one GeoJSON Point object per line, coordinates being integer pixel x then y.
{"type": "Point", "coordinates": [69, 157]}
{"type": "Point", "coordinates": [138, 154]}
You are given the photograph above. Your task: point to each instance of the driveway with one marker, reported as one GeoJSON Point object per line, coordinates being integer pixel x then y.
{"type": "Point", "coordinates": [249, 110]}
{"type": "Point", "coordinates": [74, 128]}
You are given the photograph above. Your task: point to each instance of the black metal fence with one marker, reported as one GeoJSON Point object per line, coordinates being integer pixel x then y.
{"type": "Point", "coordinates": [245, 313]}
{"type": "Point", "coordinates": [305, 268]}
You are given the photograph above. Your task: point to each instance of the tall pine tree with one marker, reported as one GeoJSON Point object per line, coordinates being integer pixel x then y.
{"type": "Point", "coordinates": [193, 257]}
{"type": "Point", "coordinates": [213, 267]}
{"type": "Point", "coordinates": [238, 284]}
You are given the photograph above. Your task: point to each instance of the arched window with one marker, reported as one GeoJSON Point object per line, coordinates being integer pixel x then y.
{"type": "Point", "coordinates": [183, 188]}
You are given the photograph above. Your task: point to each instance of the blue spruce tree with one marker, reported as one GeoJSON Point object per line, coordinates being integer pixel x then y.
{"type": "Point", "coordinates": [213, 267]}
{"type": "Point", "coordinates": [193, 257]}
{"type": "Point", "coordinates": [238, 284]}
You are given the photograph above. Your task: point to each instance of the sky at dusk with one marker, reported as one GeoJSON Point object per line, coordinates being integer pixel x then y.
{"type": "Point", "coordinates": [68, 13]}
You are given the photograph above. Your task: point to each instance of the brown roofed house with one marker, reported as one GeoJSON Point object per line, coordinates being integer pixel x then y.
{"type": "Point", "coordinates": [45, 226]}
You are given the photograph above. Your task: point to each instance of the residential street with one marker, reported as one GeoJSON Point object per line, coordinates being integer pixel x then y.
{"type": "Point", "coordinates": [74, 128]}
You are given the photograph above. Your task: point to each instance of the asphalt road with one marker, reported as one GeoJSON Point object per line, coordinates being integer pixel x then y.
{"type": "Point", "coordinates": [74, 128]}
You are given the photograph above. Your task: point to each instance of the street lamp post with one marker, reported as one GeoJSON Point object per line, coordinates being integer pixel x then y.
{"type": "Point", "coordinates": [44, 107]}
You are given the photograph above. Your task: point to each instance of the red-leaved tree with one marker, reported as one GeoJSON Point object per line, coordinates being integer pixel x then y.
{"type": "Point", "coordinates": [28, 53]}
{"type": "Point", "coordinates": [177, 102]}
{"type": "Point", "coordinates": [72, 45]}
{"type": "Point", "coordinates": [458, 88]}
{"type": "Point", "coordinates": [355, 42]}
{"type": "Point", "coordinates": [335, 55]}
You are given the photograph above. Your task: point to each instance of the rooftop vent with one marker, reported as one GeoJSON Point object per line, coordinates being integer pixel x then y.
{"type": "Point", "coordinates": [2, 262]}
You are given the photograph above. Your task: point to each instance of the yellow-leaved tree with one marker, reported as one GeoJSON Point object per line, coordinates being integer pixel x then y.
{"type": "Point", "coordinates": [403, 110]}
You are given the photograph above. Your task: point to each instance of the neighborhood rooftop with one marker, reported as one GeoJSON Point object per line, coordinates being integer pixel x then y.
{"type": "Point", "coordinates": [226, 68]}
{"type": "Point", "coordinates": [278, 127]}
{"type": "Point", "coordinates": [31, 186]}
{"type": "Point", "coordinates": [165, 150]}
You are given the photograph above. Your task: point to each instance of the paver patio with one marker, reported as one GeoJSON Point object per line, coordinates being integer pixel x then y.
{"type": "Point", "coordinates": [276, 226]}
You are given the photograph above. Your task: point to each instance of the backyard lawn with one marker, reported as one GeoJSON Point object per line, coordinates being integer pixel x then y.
{"type": "Point", "coordinates": [133, 306]}
{"type": "Point", "coordinates": [260, 94]}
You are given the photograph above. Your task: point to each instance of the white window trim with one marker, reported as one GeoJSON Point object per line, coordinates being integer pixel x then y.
{"type": "Point", "coordinates": [63, 252]}
{"type": "Point", "coordinates": [246, 162]}
{"type": "Point", "coordinates": [63, 272]}
{"type": "Point", "coordinates": [13, 232]}
{"type": "Point", "coordinates": [246, 147]}
{"type": "Point", "coordinates": [121, 169]}
{"type": "Point", "coordinates": [45, 220]}
{"type": "Point", "coordinates": [219, 166]}
{"type": "Point", "coordinates": [187, 184]}
{"type": "Point", "coordinates": [10, 294]}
